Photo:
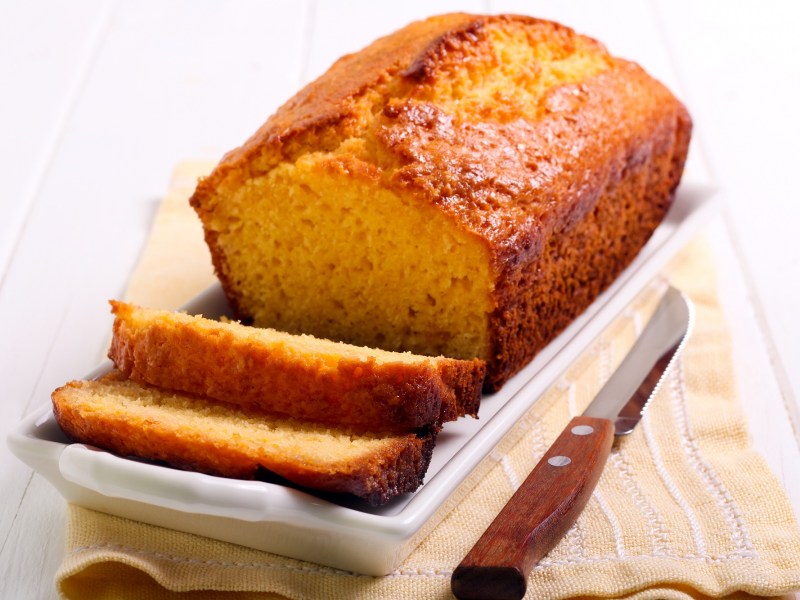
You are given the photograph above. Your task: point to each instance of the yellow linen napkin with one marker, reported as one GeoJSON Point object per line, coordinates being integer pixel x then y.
{"type": "Point", "coordinates": [684, 509]}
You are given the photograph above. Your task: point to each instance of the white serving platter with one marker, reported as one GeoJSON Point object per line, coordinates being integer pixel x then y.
{"type": "Point", "coordinates": [350, 536]}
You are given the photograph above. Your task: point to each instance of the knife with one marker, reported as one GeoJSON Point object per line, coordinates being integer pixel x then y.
{"type": "Point", "coordinates": [550, 499]}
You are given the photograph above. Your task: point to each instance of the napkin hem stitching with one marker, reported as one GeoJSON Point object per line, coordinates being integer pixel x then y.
{"type": "Point", "coordinates": [201, 561]}
{"type": "Point", "coordinates": [429, 573]}
{"type": "Point", "coordinates": [730, 556]}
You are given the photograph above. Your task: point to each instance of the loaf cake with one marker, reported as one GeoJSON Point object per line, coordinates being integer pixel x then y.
{"type": "Point", "coordinates": [197, 434]}
{"type": "Point", "coordinates": [463, 187]}
{"type": "Point", "coordinates": [294, 375]}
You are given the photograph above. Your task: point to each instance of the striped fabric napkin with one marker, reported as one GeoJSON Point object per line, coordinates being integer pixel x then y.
{"type": "Point", "coordinates": [685, 508]}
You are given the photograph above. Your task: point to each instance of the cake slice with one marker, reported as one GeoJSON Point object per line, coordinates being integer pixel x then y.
{"type": "Point", "coordinates": [193, 433]}
{"type": "Point", "coordinates": [293, 375]}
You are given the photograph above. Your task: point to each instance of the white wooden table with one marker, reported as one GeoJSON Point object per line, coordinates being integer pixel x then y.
{"type": "Point", "coordinates": [101, 98]}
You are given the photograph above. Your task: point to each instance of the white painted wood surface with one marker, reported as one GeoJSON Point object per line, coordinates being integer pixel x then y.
{"type": "Point", "coordinates": [101, 98]}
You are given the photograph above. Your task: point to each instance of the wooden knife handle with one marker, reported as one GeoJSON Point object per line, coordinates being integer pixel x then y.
{"type": "Point", "coordinates": [538, 514]}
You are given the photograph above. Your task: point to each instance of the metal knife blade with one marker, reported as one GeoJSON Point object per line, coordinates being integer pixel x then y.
{"type": "Point", "coordinates": [625, 395]}
{"type": "Point", "coordinates": [552, 497]}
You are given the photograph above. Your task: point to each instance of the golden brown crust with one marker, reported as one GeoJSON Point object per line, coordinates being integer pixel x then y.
{"type": "Point", "coordinates": [396, 465]}
{"type": "Point", "coordinates": [580, 262]}
{"type": "Point", "coordinates": [562, 191]}
{"type": "Point", "coordinates": [227, 362]}
{"type": "Point", "coordinates": [329, 100]}
{"type": "Point", "coordinates": [464, 377]}
{"type": "Point", "coordinates": [626, 178]}
{"type": "Point", "coordinates": [399, 469]}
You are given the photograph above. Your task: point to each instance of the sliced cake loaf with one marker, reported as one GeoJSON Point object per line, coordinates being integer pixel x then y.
{"type": "Point", "coordinates": [197, 434]}
{"type": "Point", "coordinates": [293, 375]}
{"type": "Point", "coordinates": [464, 186]}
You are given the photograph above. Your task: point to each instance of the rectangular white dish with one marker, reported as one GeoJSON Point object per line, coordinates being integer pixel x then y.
{"type": "Point", "coordinates": [286, 521]}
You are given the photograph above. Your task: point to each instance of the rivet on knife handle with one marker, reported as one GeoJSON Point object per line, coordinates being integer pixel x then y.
{"type": "Point", "coordinates": [538, 515]}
